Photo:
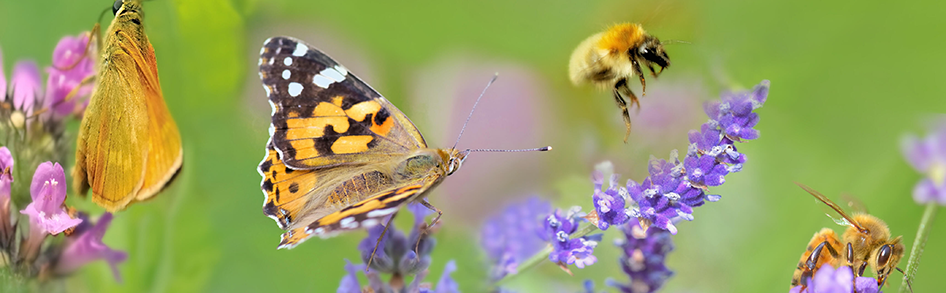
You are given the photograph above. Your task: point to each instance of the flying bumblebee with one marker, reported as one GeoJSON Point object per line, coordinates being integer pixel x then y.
{"type": "Point", "coordinates": [866, 242]}
{"type": "Point", "coordinates": [611, 58]}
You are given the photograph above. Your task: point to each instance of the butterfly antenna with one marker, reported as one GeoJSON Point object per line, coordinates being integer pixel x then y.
{"type": "Point", "coordinates": [542, 149]}
{"type": "Point", "coordinates": [474, 109]}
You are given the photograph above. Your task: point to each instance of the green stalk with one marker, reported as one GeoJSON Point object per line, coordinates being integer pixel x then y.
{"type": "Point", "coordinates": [543, 255]}
{"type": "Point", "coordinates": [921, 235]}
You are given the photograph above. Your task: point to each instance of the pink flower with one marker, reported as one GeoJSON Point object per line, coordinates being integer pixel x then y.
{"type": "Point", "coordinates": [6, 173]}
{"type": "Point", "coordinates": [71, 65]}
{"type": "Point", "coordinates": [25, 86]}
{"type": "Point", "coordinates": [88, 247]}
{"type": "Point", "coordinates": [48, 191]}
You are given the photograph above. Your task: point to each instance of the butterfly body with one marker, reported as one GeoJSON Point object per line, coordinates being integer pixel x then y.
{"type": "Point", "coordinates": [129, 147]}
{"type": "Point", "coordinates": [340, 156]}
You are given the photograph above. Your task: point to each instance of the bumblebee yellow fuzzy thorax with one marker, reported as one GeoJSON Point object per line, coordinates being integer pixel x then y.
{"type": "Point", "coordinates": [621, 37]}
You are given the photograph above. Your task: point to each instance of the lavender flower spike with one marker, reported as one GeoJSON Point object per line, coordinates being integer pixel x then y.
{"type": "Point", "coordinates": [841, 280]}
{"type": "Point", "coordinates": [514, 235]}
{"type": "Point", "coordinates": [609, 204]}
{"type": "Point", "coordinates": [88, 247]}
{"type": "Point", "coordinates": [928, 156]}
{"type": "Point", "coordinates": [643, 258]}
{"type": "Point", "coordinates": [674, 188]}
{"type": "Point", "coordinates": [566, 250]}
{"type": "Point", "coordinates": [48, 190]}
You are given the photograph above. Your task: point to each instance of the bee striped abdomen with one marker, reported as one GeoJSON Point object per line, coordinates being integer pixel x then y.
{"type": "Point", "coordinates": [824, 248]}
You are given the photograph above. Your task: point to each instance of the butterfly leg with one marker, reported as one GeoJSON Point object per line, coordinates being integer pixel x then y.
{"type": "Point", "coordinates": [621, 88]}
{"type": "Point", "coordinates": [432, 222]}
{"type": "Point", "coordinates": [383, 232]}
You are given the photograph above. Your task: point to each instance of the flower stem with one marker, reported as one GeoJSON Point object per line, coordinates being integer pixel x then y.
{"type": "Point", "coordinates": [543, 255]}
{"type": "Point", "coordinates": [921, 235]}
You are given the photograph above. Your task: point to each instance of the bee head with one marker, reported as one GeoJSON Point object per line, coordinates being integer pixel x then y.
{"type": "Point", "coordinates": [652, 51]}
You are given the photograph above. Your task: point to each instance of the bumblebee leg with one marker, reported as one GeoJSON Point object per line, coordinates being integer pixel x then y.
{"type": "Point", "coordinates": [640, 74]}
{"type": "Point", "coordinates": [619, 88]}
{"type": "Point", "coordinates": [432, 222]}
{"type": "Point", "coordinates": [385, 231]}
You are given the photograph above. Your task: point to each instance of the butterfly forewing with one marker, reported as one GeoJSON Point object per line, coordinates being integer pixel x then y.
{"type": "Point", "coordinates": [323, 115]}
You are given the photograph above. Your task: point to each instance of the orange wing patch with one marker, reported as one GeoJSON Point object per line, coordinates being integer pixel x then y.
{"type": "Point", "coordinates": [285, 189]}
{"type": "Point", "coordinates": [351, 144]}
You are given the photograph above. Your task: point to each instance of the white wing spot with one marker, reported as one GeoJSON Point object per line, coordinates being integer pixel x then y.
{"type": "Point", "coordinates": [260, 75]}
{"type": "Point", "coordinates": [333, 74]}
{"type": "Point", "coordinates": [322, 81]}
{"type": "Point", "coordinates": [370, 223]}
{"type": "Point", "coordinates": [319, 231]}
{"type": "Point", "coordinates": [266, 42]}
{"type": "Point", "coordinates": [348, 223]}
{"type": "Point", "coordinates": [381, 212]}
{"type": "Point", "coordinates": [300, 50]}
{"type": "Point", "coordinates": [269, 91]}
{"type": "Point", "coordinates": [271, 61]}
{"type": "Point", "coordinates": [262, 50]}
{"type": "Point", "coordinates": [341, 69]}
{"type": "Point", "coordinates": [295, 89]}
{"type": "Point", "coordinates": [287, 61]}
{"type": "Point", "coordinates": [286, 74]}
{"type": "Point", "coordinates": [260, 62]}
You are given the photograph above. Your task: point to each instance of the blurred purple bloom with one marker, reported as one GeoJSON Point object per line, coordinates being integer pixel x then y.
{"type": "Point", "coordinates": [88, 247]}
{"type": "Point", "coordinates": [609, 204]}
{"type": "Point", "coordinates": [349, 282]}
{"type": "Point", "coordinates": [48, 191]}
{"type": "Point", "coordinates": [674, 188]}
{"type": "Point", "coordinates": [830, 280]}
{"type": "Point", "coordinates": [515, 235]}
{"type": "Point", "coordinates": [24, 86]}
{"type": "Point", "coordinates": [566, 250]}
{"type": "Point", "coordinates": [928, 156]}
{"type": "Point", "coordinates": [396, 252]}
{"type": "Point", "coordinates": [71, 65]}
{"type": "Point", "coordinates": [644, 258]}
{"type": "Point", "coordinates": [6, 173]}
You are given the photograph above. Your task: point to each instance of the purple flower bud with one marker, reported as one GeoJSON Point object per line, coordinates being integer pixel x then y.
{"type": "Point", "coordinates": [71, 65]}
{"type": "Point", "coordinates": [514, 235]}
{"type": "Point", "coordinates": [643, 258]}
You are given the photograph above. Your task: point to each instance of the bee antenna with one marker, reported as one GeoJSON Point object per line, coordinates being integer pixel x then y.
{"type": "Point", "coordinates": [909, 285]}
{"type": "Point", "coordinates": [474, 109]}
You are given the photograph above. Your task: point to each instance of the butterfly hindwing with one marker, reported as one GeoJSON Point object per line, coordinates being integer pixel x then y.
{"type": "Point", "coordinates": [364, 214]}
{"type": "Point", "coordinates": [325, 116]}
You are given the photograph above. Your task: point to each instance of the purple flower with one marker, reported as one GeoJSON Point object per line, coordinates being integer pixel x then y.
{"type": "Point", "coordinates": [514, 235]}
{"type": "Point", "coordinates": [48, 191]}
{"type": "Point", "coordinates": [928, 156]}
{"type": "Point", "coordinates": [25, 86]}
{"type": "Point", "coordinates": [88, 247]}
{"type": "Point", "coordinates": [71, 65]}
{"type": "Point", "coordinates": [609, 204]}
{"type": "Point", "coordinates": [349, 282]}
{"type": "Point", "coordinates": [396, 253]}
{"type": "Point", "coordinates": [673, 188]}
{"type": "Point", "coordinates": [6, 173]}
{"type": "Point", "coordinates": [830, 280]}
{"type": "Point", "coordinates": [643, 258]}
{"type": "Point", "coordinates": [566, 250]}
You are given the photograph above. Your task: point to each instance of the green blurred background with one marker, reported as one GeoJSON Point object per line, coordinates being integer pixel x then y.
{"type": "Point", "coordinates": [849, 79]}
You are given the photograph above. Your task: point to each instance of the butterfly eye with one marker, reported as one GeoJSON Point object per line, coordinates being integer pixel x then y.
{"type": "Point", "coordinates": [116, 6]}
{"type": "Point", "coordinates": [883, 256]}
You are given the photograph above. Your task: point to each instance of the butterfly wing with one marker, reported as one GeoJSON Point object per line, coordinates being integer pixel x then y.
{"type": "Point", "coordinates": [129, 147]}
{"type": "Point", "coordinates": [111, 147]}
{"type": "Point", "coordinates": [165, 154]}
{"type": "Point", "coordinates": [324, 116]}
